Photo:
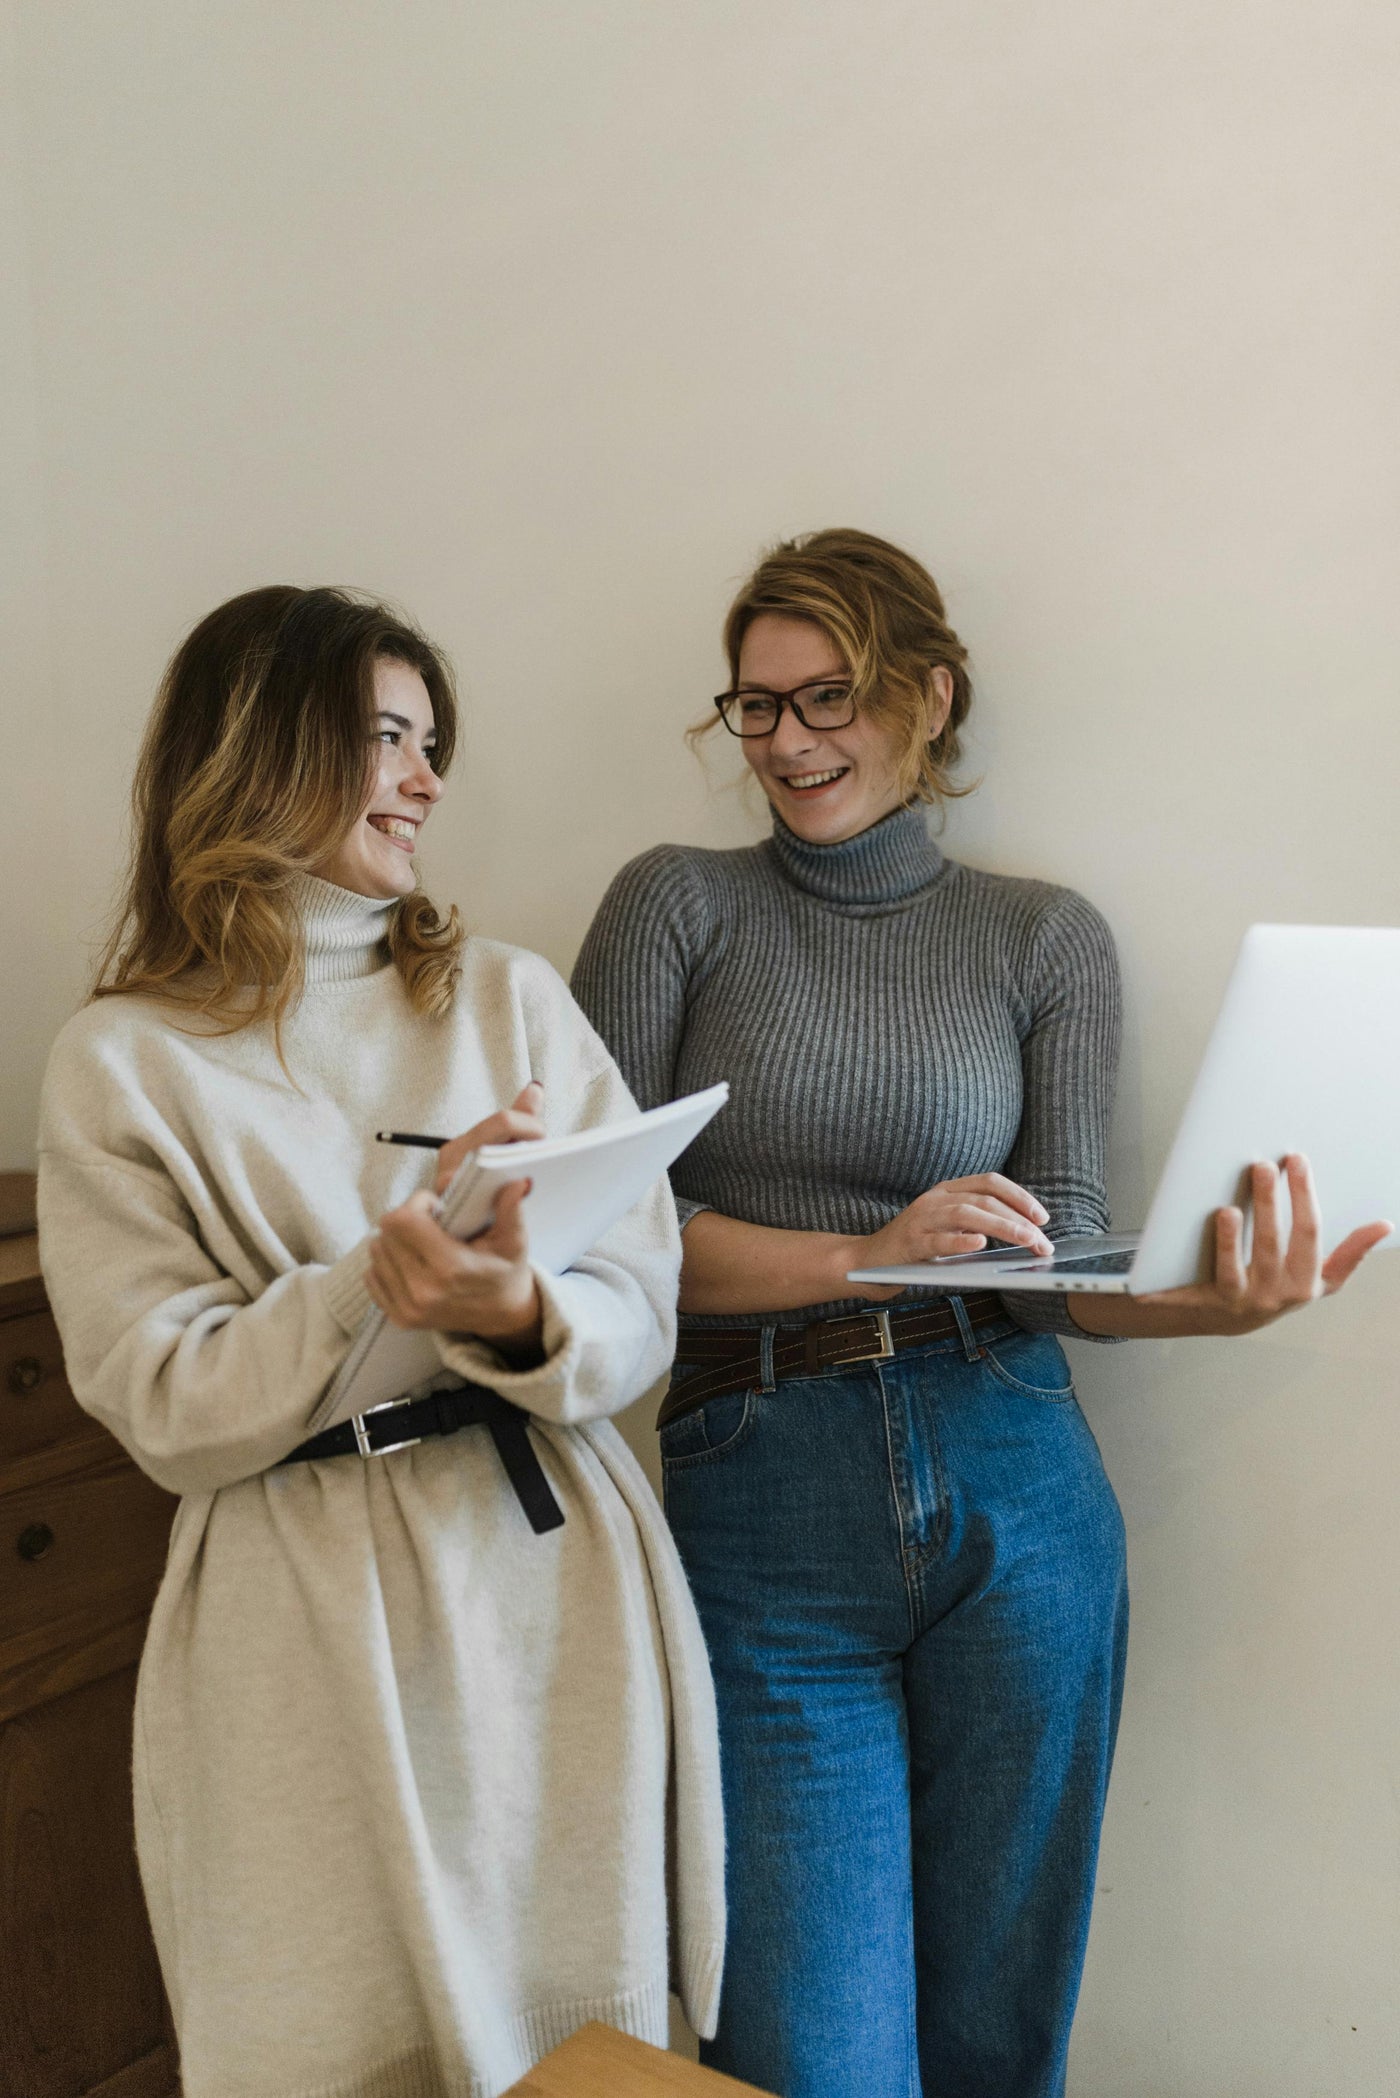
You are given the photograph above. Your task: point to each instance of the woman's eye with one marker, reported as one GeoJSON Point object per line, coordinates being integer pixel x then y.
{"type": "Point", "coordinates": [394, 736]}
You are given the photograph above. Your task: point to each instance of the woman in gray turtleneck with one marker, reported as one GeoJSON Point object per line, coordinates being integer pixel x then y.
{"type": "Point", "coordinates": [907, 1558]}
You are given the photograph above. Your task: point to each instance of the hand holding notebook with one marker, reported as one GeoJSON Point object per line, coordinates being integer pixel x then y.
{"type": "Point", "coordinates": [580, 1186]}
{"type": "Point", "coordinates": [419, 1275]}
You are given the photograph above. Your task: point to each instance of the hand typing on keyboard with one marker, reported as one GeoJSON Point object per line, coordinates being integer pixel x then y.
{"type": "Point", "coordinates": [956, 1216]}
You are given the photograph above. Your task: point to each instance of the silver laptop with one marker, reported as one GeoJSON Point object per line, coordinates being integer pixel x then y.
{"type": "Point", "coordinates": [1304, 1056]}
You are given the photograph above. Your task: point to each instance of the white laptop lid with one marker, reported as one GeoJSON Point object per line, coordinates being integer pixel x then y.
{"type": "Point", "coordinates": [1305, 1056]}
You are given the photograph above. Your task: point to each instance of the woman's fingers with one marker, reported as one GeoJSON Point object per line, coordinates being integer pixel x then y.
{"type": "Point", "coordinates": [960, 1216]}
{"type": "Point", "coordinates": [414, 1236]}
{"type": "Point", "coordinates": [506, 1235]}
{"type": "Point", "coordinates": [998, 1220]}
{"type": "Point", "coordinates": [509, 1125]}
{"type": "Point", "coordinates": [449, 1158]}
{"type": "Point", "coordinates": [1266, 1252]}
{"type": "Point", "coordinates": [1346, 1258]}
{"type": "Point", "coordinates": [413, 1231]}
{"type": "Point", "coordinates": [936, 1226]}
{"type": "Point", "coordinates": [413, 1259]}
{"type": "Point", "coordinates": [1009, 1232]}
{"type": "Point", "coordinates": [1303, 1263]}
{"type": "Point", "coordinates": [1282, 1277]}
{"type": "Point", "coordinates": [420, 1276]}
{"type": "Point", "coordinates": [1277, 1279]}
{"type": "Point", "coordinates": [1230, 1277]}
{"type": "Point", "coordinates": [424, 1203]}
{"type": "Point", "coordinates": [1001, 1189]}
{"type": "Point", "coordinates": [389, 1283]}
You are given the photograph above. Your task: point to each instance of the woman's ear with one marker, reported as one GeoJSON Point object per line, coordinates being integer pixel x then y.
{"type": "Point", "coordinates": [940, 700]}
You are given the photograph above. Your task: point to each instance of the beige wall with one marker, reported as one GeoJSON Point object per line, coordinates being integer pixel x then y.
{"type": "Point", "coordinates": [543, 318]}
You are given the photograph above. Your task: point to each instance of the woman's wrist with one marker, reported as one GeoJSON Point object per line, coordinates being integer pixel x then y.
{"type": "Point", "coordinates": [730, 1266]}
{"type": "Point", "coordinates": [1129, 1318]}
{"type": "Point", "coordinates": [842, 1255]}
{"type": "Point", "coordinates": [514, 1325]}
{"type": "Point", "coordinates": [524, 1351]}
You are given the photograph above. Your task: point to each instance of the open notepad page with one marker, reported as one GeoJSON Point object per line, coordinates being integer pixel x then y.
{"type": "Point", "coordinates": [580, 1186]}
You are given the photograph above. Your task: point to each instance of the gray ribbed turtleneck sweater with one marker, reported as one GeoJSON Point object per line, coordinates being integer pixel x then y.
{"type": "Point", "coordinates": [887, 1019]}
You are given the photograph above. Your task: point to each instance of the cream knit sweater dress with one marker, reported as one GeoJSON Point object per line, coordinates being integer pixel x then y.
{"type": "Point", "coordinates": [414, 1785]}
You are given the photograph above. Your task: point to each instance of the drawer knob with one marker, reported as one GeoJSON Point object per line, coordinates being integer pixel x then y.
{"type": "Point", "coordinates": [26, 1374]}
{"type": "Point", "coordinates": [35, 1541]}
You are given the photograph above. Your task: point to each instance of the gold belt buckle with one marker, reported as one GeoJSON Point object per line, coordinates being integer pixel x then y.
{"type": "Point", "coordinates": [884, 1348]}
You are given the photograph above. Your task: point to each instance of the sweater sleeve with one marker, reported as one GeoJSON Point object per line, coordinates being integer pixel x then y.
{"type": "Point", "coordinates": [1069, 1062]}
{"type": "Point", "coordinates": [201, 1384]}
{"type": "Point", "coordinates": [633, 974]}
{"type": "Point", "coordinates": [610, 1320]}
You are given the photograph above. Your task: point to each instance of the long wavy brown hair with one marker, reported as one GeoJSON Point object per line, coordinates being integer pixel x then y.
{"type": "Point", "coordinates": [257, 761]}
{"type": "Point", "coordinates": [885, 614]}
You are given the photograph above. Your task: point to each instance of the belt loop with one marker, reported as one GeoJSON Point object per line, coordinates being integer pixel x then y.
{"type": "Point", "coordinates": [766, 1379]}
{"type": "Point", "coordinates": [972, 1346]}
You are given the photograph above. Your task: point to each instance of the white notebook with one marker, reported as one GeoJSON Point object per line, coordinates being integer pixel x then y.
{"type": "Point", "coordinates": [582, 1184]}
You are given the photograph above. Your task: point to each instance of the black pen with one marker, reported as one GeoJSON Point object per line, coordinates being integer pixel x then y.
{"type": "Point", "coordinates": [422, 1143]}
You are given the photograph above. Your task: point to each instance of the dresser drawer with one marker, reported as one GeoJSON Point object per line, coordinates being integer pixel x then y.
{"type": "Point", "coordinates": [88, 1545]}
{"type": "Point", "coordinates": [37, 1409]}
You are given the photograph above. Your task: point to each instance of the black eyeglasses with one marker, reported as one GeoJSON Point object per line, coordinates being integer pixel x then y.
{"type": "Point", "coordinates": [752, 710]}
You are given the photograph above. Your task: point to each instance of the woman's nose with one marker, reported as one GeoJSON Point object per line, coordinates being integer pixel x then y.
{"type": "Point", "coordinates": [423, 781]}
{"type": "Point", "coordinates": [789, 736]}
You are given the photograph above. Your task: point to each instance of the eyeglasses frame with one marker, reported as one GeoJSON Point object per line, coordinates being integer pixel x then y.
{"type": "Point", "coordinates": [785, 699]}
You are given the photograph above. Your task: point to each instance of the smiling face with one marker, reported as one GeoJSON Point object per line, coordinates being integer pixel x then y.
{"type": "Point", "coordinates": [375, 857]}
{"type": "Point", "coordinates": [826, 784]}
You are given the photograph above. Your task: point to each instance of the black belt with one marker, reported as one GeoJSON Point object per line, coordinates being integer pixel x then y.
{"type": "Point", "coordinates": [730, 1358]}
{"type": "Point", "coordinates": [398, 1425]}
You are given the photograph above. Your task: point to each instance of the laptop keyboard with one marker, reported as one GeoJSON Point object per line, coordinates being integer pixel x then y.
{"type": "Point", "coordinates": [1096, 1263]}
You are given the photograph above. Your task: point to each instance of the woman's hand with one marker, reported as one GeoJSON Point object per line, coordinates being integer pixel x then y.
{"type": "Point", "coordinates": [956, 1216]}
{"type": "Point", "coordinates": [422, 1277]}
{"type": "Point", "coordinates": [730, 1266]}
{"type": "Point", "coordinates": [509, 1125]}
{"type": "Point", "coordinates": [1241, 1298]}
{"type": "Point", "coordinates": [1278, 1278]}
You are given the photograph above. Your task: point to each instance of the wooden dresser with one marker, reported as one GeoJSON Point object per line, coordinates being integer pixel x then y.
{"type": "Point", "coordinates": [82, 1543]}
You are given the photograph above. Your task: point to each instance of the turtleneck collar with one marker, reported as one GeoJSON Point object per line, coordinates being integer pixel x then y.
{"type": "Point", "coordinates": [886, 864]}
{"type": "Point", "coordinates": [345, 932]}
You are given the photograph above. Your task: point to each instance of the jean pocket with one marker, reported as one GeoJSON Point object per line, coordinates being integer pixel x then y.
{"type": "Point", "coordinates": [712, 1430]}
{"type": "Point", "coordinates": [1033, 1364]}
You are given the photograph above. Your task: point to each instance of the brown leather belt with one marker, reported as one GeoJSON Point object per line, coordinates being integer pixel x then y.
{"type": "Point", "coordinates": [730, 1358]}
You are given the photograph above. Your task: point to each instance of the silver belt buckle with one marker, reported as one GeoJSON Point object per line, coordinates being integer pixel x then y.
{"type": "Point", "coordinates": [885, 1348]}
{"type": "Point", "coordinates": [362, 1442]}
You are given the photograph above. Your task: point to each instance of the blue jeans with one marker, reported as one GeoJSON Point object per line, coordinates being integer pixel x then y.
{"type": "Point", "coordinates": [911, 1580]}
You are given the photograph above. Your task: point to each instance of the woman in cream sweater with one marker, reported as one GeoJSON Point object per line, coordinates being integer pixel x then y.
{"type": "Point", "coordinates": [403, 1743]}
